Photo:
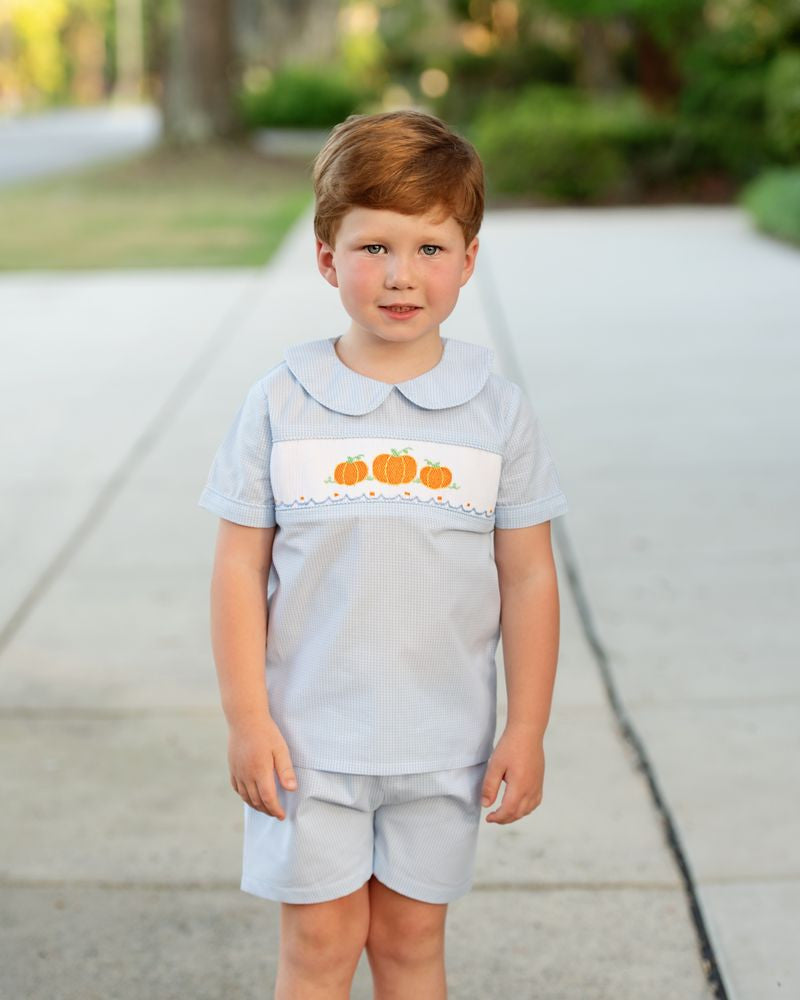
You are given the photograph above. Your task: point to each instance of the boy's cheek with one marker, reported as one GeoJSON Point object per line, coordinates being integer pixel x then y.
{"type": "Point", "coordinates": [362, 274]}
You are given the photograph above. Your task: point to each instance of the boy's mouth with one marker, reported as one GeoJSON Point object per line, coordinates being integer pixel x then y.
{"type": "Point", "coordinates": [400, 309]}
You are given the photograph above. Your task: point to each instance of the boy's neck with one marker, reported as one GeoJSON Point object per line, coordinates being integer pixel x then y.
{"type": "Point", "coordinates": [388, 361]}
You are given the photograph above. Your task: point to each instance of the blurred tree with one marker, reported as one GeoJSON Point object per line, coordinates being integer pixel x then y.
{"type": "Point", "coordinates": [40, 64]}
{"type": "Point", "coordinates": [656, 27]}
{"type": "Point", "coordinates": [198, 95]}
{"type": "Point", "coordinates": [597, 65]}
{"type": "Point", "coordinates": [83, 41]}
{"type": "Point", "coordinates": [57, 51]}
{"type": "Point", "coordinates": [269, 33]}
{"type": "Point", "coordinates": [129, 38]}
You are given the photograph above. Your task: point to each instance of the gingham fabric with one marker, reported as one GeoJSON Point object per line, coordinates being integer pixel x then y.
{"type": "Point", "coordinates": [383, 596]}
{"type": "Point", "coordinates": [417, 832]}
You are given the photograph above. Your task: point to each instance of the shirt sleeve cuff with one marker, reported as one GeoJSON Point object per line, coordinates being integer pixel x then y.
{"type": "Point", "coordinates": [248, 514]}
{"type": "Point", "coordinates": [525, 514]}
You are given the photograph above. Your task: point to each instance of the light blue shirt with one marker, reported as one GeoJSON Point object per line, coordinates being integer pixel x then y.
{"type": "Point", "coordinates": [383, 596]}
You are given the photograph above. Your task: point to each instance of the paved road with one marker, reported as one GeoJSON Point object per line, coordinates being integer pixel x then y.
{"type": "Point", "coordinates": [50, 143]}
{"type": "Point", "coordinates": [666, 389]}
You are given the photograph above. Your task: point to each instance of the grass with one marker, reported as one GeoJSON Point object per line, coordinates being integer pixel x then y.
{"type": "Point", "coordinates": [220, 206]}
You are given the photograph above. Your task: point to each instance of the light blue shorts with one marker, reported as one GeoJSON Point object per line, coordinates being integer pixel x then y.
{"type": "Point", "coordinates": [416, 832]}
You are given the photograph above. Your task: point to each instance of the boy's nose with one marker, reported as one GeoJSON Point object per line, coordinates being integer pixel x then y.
{"type": "Point", "coordinates": [400, 274]}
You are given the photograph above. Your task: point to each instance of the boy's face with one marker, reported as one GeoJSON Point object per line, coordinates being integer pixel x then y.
{"type": "Point", "coordinates": [382, 258]}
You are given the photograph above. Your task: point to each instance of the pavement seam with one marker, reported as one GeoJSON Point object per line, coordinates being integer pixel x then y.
{"type": "Point", "coordinates": [501, 335]}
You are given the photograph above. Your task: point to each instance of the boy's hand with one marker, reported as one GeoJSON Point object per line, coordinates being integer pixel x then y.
{"type": "Point", "coordinates": [519, 758]}
{"type": "Point", "coordinates": [256, 749]}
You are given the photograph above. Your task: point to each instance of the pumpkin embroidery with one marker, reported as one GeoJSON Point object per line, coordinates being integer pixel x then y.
{"type": "Point", "coordinates": [396, 467]}
{"type": "Point", "coordinates": [436, 475]}
{"type": "Point", "coordinates": [351, 471]}
{"type": "Point", "coordinates": [389, 475]}
{"type": "Point", "coordinates": [393, 467]}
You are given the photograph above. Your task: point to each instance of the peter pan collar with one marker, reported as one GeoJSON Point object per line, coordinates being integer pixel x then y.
{"type": "Point", "coordinates": [460, 374]}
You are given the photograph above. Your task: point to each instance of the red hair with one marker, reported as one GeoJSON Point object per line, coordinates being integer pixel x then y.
{"type": "Point", "coordinates": [405, 161]}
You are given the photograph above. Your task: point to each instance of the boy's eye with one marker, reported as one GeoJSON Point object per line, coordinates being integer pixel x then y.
{"type": "Point", "coordinates": [426, 246]}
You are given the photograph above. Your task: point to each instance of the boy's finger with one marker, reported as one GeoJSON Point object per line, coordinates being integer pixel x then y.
{"type": "Point", "coordinates": [269, 796]}
{"type": "Point", "coordinates": [283, 765]}
{"type": "Point", "coordinates": [506, 810]}
{"type": "Point", "coordinates": [288, 777]}
{"type": "Point", "coordinates": [244, 793]}
{"type": "Point", "coordinates": [498, 816]}
{"type": "Point", "coordinates": [253, 795]}
{"type": "Point", "coordinates": [248, 794]}
{"type": "Point", "coordinates": [491, 786]}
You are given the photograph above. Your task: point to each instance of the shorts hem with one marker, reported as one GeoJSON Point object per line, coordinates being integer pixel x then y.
{"type": "Point", "coordinates": [426, 893]}
{"type": "Point", "coordinates": [287, 894]}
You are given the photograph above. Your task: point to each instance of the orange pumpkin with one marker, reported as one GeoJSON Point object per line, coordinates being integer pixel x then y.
{"type": "Point", "coordinates": [351, 471]}
{"type": "Point", "coordinates": [395, 468]}
{"type": "Point", "coordinates": [435, 475]}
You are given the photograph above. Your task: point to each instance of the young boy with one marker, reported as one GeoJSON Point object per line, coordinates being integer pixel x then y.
{"type": "Point", "coordinates": [383, 496]}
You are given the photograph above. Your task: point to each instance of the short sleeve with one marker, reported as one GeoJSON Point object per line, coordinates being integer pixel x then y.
{"type": "Point", "coordinates": [529, 490]}
{"type": "Point", "coordinates": [238, 486]}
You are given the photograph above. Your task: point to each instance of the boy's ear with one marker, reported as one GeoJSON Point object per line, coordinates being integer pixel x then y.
{"type": "Point", "coordinates": [325, 263]}
{"type": "Point", "coordinates": [469, 261]}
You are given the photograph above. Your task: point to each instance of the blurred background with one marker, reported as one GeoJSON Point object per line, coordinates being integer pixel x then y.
{"type": "Point", "coordinates": [638, 276]}
{"type": "Point", "coordinates": [590, 102]}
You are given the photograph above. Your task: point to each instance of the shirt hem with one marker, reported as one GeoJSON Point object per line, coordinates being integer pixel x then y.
{"type": "Point", "coordinates": [251, 515]}
{"type": "Point", "coordinates": [404, 767]}
{"type": "Point", "coordinates": [535, 512]}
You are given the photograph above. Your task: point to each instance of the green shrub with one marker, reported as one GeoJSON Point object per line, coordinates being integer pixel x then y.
{"type": "Point", "coordinates": [504, 68]}
{"type": "Point", "coordinates": [316, 97]}
{"type": "Point", "coordinates": [783, 104]}
{"type": "Point", "coordinates": [563, 144]}
{"type": "Point", "coordinates": [721, 111]}
{"type": "Point", "coordinates": [773, 201]}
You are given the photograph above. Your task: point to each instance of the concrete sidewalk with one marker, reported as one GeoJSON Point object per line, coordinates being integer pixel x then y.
{"type": "Point", "coordinates": [663, 349]}
{"type": "Point", "coordinates": [121, 838]}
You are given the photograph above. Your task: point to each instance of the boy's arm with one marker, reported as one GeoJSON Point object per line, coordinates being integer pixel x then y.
{"type": "Point", "coordinates": [529, 622]}
{"type": "Point", "coordinates": [239, 619]}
